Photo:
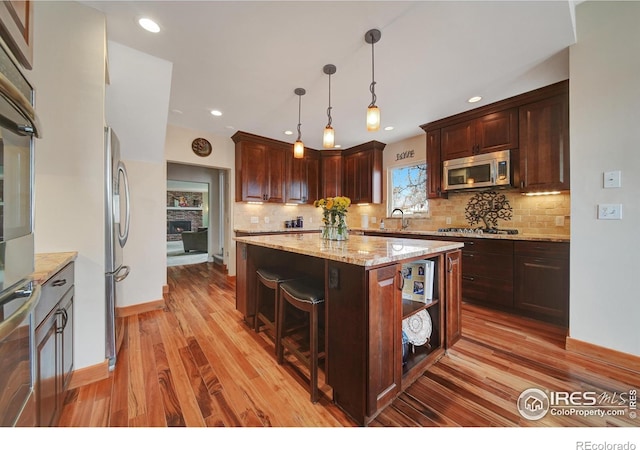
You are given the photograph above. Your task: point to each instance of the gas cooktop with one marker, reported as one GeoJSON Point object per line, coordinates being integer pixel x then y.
{"type": "Point", "coordinates": [479, 230]}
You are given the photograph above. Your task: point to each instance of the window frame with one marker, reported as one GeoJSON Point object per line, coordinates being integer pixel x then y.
{"type": "Point", "coordinates": [390, 207]}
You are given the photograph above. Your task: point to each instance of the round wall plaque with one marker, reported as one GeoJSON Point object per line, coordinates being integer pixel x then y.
{"type": "Point", "coordinates": [201, 147]}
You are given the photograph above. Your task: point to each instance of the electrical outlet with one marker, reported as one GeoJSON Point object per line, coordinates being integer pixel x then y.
{"type": "Point", "coordinates": [373, 219]}
{"type": "Point", "coordinates": [255, 219]}
{"type": "Point", "coordinates": [559, 221]}
{"type": "Point", "coordinates": [610, 211]}
{"type": "Point", "coordinates": [266, 219]}
{"type": "Point", "coordinates": [448, 220]}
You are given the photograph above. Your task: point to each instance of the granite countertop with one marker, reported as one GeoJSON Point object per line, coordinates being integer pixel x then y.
{"type": "Point", "coordinates": [357, 250]}
{"type": "Point", "coordinates": [278, 230]}
{"type": "Point", "coordinates": [510, 237]}
{"type": "Point", "coordinates": [48, 264]}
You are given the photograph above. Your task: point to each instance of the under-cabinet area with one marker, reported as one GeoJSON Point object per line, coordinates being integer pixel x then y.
{"type": "Point", "coordinates": [53, 359]}
{"type": "Point", "coordinates": [367, 361]}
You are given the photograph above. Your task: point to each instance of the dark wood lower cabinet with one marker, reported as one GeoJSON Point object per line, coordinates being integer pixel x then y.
{"type": "Point", "coordinates": [542, 281]}
{"type": "Point", "coordinates": [453, 305]}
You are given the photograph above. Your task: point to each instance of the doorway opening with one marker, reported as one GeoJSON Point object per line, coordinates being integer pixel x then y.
{"type": "Point", "coordinates": [196, 214]}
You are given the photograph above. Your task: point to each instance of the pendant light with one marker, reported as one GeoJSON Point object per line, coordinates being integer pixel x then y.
{"type": "Point", "coordinates": [298, 147]}
{"type": "Point", "coordinates": [373, 112]}
{"type": "Point", "coordinates": [329, 138]}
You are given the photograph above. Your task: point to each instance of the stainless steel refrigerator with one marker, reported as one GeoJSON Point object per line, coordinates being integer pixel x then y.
{"type": "Point", "coordinates": [117, 215]}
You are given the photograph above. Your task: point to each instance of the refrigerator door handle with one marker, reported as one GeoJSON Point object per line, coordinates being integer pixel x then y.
{"type": "Point", "coordinates": [124, 235]}
{"type": "Point", "coordinates": [121, 273]}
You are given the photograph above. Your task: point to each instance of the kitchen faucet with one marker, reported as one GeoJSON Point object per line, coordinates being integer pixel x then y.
{"type": "Point", "coordinates": [402, 221]}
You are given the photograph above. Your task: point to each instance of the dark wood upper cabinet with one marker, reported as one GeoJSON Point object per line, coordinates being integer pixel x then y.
{"type": "Point", "coordinates": [533, 125]}
{"type": "Point", "coordinates": [363, 173]}
{"type": "Point", "coordinates": [302, 177]}
{"type": "Point", "coordinates": [488, 133]}
{"type": "Point", "coordinates": [544, 145]}
{"type": "Point", "coordinates": [331, 169]}
{"type": "Point", "coordinates": [434, 166]}
{"type": "Point", "coordinates": [260, 169]}
{"type": "Point", "coordinates": [16, 29]}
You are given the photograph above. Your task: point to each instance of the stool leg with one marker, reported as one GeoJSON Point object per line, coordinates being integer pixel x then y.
{"type": "Point", "coordinates": [276, 318]}
{"type": "Point", "coordinates": [280, 327]}
{"type": "Point", "coordinates": [313, 338]}
{"type": "Point", "coordinates": [256, 320]}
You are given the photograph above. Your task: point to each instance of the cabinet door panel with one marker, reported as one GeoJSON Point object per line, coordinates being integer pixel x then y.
{"type": "Point", "coordinates": [253, 173]}
{"type": "Point", "coordinates": [331, 169]}
{"type": "Point", "coordinates": [385, 337]}
{"type": "Point", "coordinates": [497, 131]}
{"type": "Point", "coordinates": [276, 163]}
{"type": "Point", "coordinates": [434, 165]}
{"type": "Point", "coordinates": [67, 339]}
{"type": "Point", "coordinates": [47, 380]}
{"type": "Point", "coordinates": [544, 145]}
{"type": "Point", "coordinates": [453, 286]}
{"type": "Point", "coordinates": [458, 140]}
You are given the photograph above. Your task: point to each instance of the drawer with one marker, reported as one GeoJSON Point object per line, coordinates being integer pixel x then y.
{"type": "Point", "coordinates": [487, 246]}
{"type": "Point", "coordinates": [559, 250]}
{"type": "Point", "coordinates": [487, 291]}
{"type": "Point", "coordinates": [490, 265]}
{"type": "Point", "coordinates": [53, 290]}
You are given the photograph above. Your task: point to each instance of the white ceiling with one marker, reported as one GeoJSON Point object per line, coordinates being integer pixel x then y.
{"type": "Point", "coordinates": [245, 58]}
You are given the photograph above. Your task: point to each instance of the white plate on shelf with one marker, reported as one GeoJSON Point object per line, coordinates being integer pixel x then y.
{"type": "Point", "coordinates": [418, 327]}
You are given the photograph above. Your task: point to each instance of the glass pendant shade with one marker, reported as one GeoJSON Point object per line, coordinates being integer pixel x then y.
{"type": "Point", "coordinates": [298, 149]}
{"type": "Point", "coordinates": [373, 118]}
{"type": "Point", "coordinates": [329, 137]}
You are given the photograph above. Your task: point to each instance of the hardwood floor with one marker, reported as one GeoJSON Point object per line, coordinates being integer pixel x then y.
{"type": "Point", "coordinates": [197, 364]}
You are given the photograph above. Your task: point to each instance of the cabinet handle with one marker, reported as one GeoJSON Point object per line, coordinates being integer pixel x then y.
{"type": "Point", "coordinates": [65, 318]}
{"type": "Point", "coordinates": [401, 283]}
{"type": "Point", "coordinates": [467, 255]}
{"type": "Point", "coordinates": [58, 283]}
{"type": "Point", "coordinates": [449, 264]}
{"type": "Point", "coordinates": [522, 184]}
{"type": "Point", "coordinates": [469, 243]}
{"type": "Point", "coordinates": [468, 278]}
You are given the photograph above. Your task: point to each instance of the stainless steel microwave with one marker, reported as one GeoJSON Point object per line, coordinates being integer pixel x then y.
{"type": "Point", "coordinates": [478, 171]}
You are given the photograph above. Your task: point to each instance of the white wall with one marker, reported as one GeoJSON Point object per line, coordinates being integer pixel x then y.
{"type": "Point", "coordinates": [137, 105]}
{"type": "Point", "coordinates": [178, 150]}
{"type": "Point", "coordinates": [605, 107]}
{"type": "Point", "coordinates": [68, 73]}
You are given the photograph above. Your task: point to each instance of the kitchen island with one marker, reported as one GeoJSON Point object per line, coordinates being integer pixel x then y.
{"type": "Point", "coordinates": [364, 307]}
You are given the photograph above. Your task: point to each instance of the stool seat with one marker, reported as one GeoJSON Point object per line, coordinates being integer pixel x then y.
{"type": "Point", "coordinates": [304, 290]}
{"type": "Point", "coordinates": [304, 294]}
{"type": "Point", "coordinates": [270, 277]}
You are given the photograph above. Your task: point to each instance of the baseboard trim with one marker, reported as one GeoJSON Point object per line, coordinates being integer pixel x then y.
{"type": "Point", "coordinates": [88, 375]}
{"type": "Point", "coordinates": [140, 308]}
{"type": "Point", "coordinates": [614, 357]}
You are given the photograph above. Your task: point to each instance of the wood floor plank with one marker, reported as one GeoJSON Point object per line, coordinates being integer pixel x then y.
{"type": "Point", "coordinates": [197, 363]}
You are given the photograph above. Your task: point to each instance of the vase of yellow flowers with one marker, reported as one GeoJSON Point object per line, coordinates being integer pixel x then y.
{"type": "Point", "coordinates": [334, 221]}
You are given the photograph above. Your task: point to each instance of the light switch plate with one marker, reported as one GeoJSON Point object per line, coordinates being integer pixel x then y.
{"type": "Point", "coordinates": [255, 219]}
{"type": "Point", "coordinates": [610, 211]}
{"type": "Point", "coordinates": [613, 179]}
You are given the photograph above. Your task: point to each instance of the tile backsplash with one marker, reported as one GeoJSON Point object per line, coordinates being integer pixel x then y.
{"type": "Point", "coordinates": [545, 215]}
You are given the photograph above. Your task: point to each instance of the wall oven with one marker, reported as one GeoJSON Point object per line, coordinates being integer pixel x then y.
{"type": "Point", "coordinates": [18, 293]}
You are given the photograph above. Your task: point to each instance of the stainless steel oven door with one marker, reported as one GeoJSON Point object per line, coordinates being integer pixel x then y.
{"type": "Point", "coordinates": [16, 350]}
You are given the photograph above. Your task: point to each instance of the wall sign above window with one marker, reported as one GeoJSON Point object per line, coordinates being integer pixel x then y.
{"type": "Point", "coordinates": [404, 155]}
{"type": "Point", "coordinates": [201, 147]}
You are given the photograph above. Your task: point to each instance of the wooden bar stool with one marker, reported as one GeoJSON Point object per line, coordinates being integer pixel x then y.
{"type": "Point", "coordinates": [271, 279]}
{"type": "Point", "coordinates": [305, 295]}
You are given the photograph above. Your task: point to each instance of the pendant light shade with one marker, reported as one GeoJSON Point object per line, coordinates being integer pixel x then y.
{"type": "Point", "coordinates": [298, 146]}
{"type": "Point", "coordinates": [373, 112]}
{"type": "Point", "coordinates": [329, 138]}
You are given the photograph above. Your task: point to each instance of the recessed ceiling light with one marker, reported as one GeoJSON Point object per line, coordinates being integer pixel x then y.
{"type": "Point", "coordinates": [288, 132]}
{"type": "Point", "coordinates": [216, 113]}
{"type": "Point", "coordinates": [475, 99]}
{"type": "Point", "coordinates": [388, 128]}
{"type": "Point", "coordinates": [149, 25]}
{"type": "Point", "coordinates": [337, 146]}
{"type": "Point", "coordinates": [230, 127]}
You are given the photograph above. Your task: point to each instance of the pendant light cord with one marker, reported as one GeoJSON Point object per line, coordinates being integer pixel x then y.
{"type": "Point", "coordinates": [372, 87]}
{"type": "Point", "coordinates": [299, 103]}
{"type": "Point", "coordinates": [329, 108]}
